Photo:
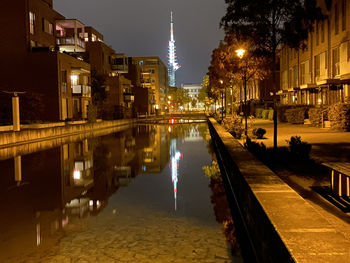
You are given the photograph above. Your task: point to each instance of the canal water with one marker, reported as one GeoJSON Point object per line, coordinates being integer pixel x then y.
{"type": "Point", "coordinates": [139, 195]}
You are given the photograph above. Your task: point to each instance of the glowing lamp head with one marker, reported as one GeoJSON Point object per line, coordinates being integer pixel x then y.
{"type": "Point", "coordinates": [240, 53]}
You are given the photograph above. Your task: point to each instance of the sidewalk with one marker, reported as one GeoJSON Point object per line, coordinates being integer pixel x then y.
{"type": "Point", "coordinates": [327, 145]}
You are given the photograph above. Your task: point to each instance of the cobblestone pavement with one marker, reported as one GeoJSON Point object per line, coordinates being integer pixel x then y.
{"type": "Point", "coordinates": [135, 236]}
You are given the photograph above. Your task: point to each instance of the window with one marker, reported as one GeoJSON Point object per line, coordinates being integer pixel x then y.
{"type": "Point", "coordinates": [47, 27]}
{"type": "Point", "coordinates": [336, 61]}
{"type": "Point", "coordinates": [93, 37]}
{"type": "Point", "coordinates": [31, 22]}
{"type": "Point", "coordinates": [343, 15]}
{"type": "Point", "coordinates": [317, 34]}
{"type": "Point", "coordinates": [86, 37]}
{"type": "Point", "coordinates": [295, 76]}
{"type": "Point", "coordinates": [336, 19]}
{"type": "Point", "coordinates": [322, 31]}
{"type": "Point", "coordinates": [302, 74]}
{"type": "Point", "coordinates": [317, 67]}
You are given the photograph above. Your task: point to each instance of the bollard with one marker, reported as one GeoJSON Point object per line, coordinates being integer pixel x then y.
{"type": "Point", "coordinates": [15, 114]}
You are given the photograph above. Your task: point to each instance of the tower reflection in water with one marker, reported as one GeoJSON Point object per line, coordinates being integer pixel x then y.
{"type": "Point", "coordinates": [175, 157]}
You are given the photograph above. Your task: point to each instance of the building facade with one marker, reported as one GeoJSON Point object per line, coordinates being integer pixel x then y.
{"type": "Point", "coordinates": [36, 51]}
{"type": "Point", "coordinates": [106, 63]}
{"type": "Point", "coordinates": [151, 74]}
{"type": "Point", "coordinates": [320, 74]}
{"type": "Point", "coordinates": [193, 92]}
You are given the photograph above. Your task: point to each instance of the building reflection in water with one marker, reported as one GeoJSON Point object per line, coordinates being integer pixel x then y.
{"type": "Point", "coordinates": [156, 155]}
{"type": "Point", "coordinates": [47, 194]}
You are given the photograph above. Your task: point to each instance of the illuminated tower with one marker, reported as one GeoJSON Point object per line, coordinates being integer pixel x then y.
{"type": "Point", "coordinates": [172, 58]}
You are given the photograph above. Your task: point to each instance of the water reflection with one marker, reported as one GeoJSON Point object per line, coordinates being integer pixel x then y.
{"type": "Point", "coordinates": [50, 194]}
{"type": "Point", "coordinates": [175, 156]}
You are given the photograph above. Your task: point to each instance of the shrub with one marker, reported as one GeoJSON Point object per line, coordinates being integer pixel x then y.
{"type": "Point", "coordinates": [265, 114]}
{"type": "Point", "coordinates": [282, 111]}
{"type": "Point", "coordinates": [296, 115]}
{"type": "Point", "coordinates": [298, 148]}
{"type": "Point", "coordinates": [339, 116]}
{"type": "Point", "coordinates": [258, 149]}
{"type": "Point", "coordinates": [233, 124]}
{"type": "Point", "coordinates": [316, 115]}
{"type": "Point", "coordinates": [259, 133]}
{"type": "Point", "coordinates": [258, 112]}
{"type": "Point", "coordinates": [270, 116]}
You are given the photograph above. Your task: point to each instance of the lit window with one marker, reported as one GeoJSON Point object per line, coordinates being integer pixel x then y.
{"type": "Point", "coordinates": [31, 22]}
{"type": "Point", "coordinates": [47, 27]}
{"type": "Point", "coordinates": [74, 80]}
{"type": "Point", "coordinates": [93, 38]}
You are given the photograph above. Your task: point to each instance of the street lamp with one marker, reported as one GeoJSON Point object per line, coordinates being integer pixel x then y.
{"type": "Point", "coordinates": [240, 53]}
{"type": "Point", "coordinates": [222, 101]}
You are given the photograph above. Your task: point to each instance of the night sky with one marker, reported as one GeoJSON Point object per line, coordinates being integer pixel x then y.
{"type": "Point", "coordinates": [141, 28]}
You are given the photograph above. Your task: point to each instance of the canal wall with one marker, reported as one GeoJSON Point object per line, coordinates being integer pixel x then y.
{"type": "Point", "coordinates": [273, 223]}
{"type": "Point", "coordinates": [10, 138]}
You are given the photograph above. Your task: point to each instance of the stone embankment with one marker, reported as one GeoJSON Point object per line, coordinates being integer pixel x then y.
{"type": "Point", "coordinates": [274, 223]}
{"type": "Point", "coordinates": [44, 132]}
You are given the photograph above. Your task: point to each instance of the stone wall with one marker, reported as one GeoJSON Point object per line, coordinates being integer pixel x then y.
{"type": "Point", "coordinates": [8, 139]}
{"type": "Point", "coordinates": [273, 223]}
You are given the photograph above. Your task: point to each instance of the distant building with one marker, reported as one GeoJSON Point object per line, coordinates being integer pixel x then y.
{"type": "Point", "coordinates": [151, 75]}
{"type": "Point", "coordinates": [193, 92]}
{"type": "Point", "coordinates": [36, 57]}
{"type": "Point", "coordinates": [320, 74]}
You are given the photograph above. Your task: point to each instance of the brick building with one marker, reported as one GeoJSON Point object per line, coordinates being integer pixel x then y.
{"type": "Point", "coordinates": [320, 74]}
{"type": "Point", "coordinates": [37, 51]}
{"type": "Point", "coordinates": [106, 62]}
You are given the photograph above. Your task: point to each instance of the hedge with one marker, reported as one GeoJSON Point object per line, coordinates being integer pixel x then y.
{"type": "Point", "coordinates": [339, 116]}
{"type": "Point", "coordinates": [317, 115]}
{"type": "Point", "coordinates": [296, 115]}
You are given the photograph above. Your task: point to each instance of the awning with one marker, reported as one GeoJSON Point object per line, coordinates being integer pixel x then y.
{"type": "Point", "coordinates": [326, 82]}
{"type": "Point", "coordinates": [79, 70]}
{"type": "Point", "coordinates": [293, 89]}
{"type": "Point", "coordinates": [281, 92]}
{"type": "Point", "coordinates": [308, 86]}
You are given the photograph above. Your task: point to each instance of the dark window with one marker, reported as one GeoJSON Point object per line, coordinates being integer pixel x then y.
{"type": "Point", "coordinates": [336, 19]}
{"type": "Point", "coordinates": [343, 15]}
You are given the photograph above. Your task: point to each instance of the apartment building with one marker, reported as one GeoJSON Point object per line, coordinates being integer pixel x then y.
{"type": "Point", "coordinates": [193, 92]}
{"type": "Point", "coordinates": [107, 63]}
{"type": "Point", "coordinates": [37, 51]}
{"type": "Point", "coordinates": [149, 76]}
{"type": "Point", "coordinates": [320, 74]}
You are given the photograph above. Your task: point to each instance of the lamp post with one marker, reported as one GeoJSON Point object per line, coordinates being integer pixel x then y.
{"type": "Point", "coordinates": [240, 53]}
{"type": "Point", "coordinates": [222, 101]}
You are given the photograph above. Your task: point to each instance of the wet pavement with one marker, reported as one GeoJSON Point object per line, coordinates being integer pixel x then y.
{"type": "Point", "coordinates": [139, 195]}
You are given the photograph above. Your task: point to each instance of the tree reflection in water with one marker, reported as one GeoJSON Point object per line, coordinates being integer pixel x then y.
{"type": "Point", "coordinates": [220, 204]}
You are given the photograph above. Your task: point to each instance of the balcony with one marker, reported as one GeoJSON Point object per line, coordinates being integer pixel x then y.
{"type": "Point", "coordinates": [69, 42]}
{"type": "Point", "coordinates": [119, 63]}
{"type": "Point", "coordinates": [82, 90]}
{"type": "Point", "coordinates": [129, 97]}
{"type": "Point", "coordinates": [70, 35]}
{"type": "Point", "coordinates": [120, 69]}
